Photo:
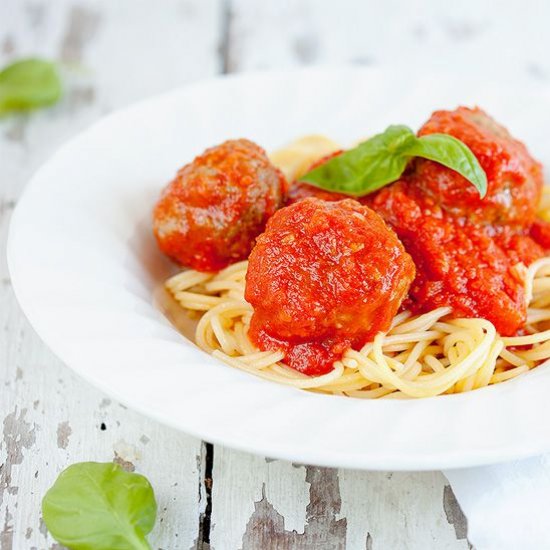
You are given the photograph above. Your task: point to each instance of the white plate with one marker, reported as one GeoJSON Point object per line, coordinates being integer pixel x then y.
{"type": "Point", "coordinates": [85, 269]}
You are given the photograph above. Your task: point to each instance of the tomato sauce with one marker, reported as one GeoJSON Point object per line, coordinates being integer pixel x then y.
{"type": "Point", "coordinates": [471, 267]}
{"type": "Point", "coordinates": [540, 233]}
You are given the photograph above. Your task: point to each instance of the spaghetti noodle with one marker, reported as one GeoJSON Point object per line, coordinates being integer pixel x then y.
{"type": "Point", "coordinates": [420, 356]}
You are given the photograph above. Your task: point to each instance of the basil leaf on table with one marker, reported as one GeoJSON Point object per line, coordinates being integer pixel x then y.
{"type": "Point", "coordinates": [382, 160]}
{"type": "Point", "coordinates": [27, 84]}
{"type": "Point", "coordinates": [95, 506]}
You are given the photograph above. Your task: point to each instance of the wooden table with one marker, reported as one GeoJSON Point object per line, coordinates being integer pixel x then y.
{"type": "Point", "coordinates": [117, 51]}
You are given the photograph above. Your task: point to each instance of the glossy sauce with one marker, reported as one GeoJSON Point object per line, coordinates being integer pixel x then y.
{"type": "Point", "coordinates": [471, 267]}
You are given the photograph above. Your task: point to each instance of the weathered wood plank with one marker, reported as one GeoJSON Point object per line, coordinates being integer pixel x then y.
{"type": "Point", "coordinates": [111, 53]}
{"type": "Point", "coordinates": [413, 37]}
{"type": "Point", "coordinates": [258, 503]}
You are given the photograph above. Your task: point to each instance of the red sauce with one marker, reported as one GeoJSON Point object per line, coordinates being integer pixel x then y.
{"type": "Point", "coordinates": [540, 232]}
{"type": "Point", "coordinates": [210, 214]}
{"type": "Point", "coordinates": [514, 178]}
{"type": "Point", "coordinates": [470, 267]}
{"type": "Point", "coordinates": [467, 249]}
{"type": "Point", "coordinates": [323, 277]}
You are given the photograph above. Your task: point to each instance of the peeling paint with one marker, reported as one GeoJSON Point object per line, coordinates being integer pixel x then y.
{"type": "Point", "coordinates": [266, 529]}
{"type": "Point", "coordinates": [16, 131]}
{"type": "Point", "coordinates": [81, 27]}
{"type": "Point", "coordinates": [462, 30]}
{"type": "Point", "coordinates": [8, 45]}
{"type": "Point", "coordinates": [35, 13]}
{"type": "Point", "coordinates": [17, 435]}
{"type": "Point", "coordinates": [64, 431]}
{"type": "Point", "coordinates": [42, 528]}
{"type": "Point", "coordinates": [6, 535]}
{"type": "Point", "coordinates": [455, 515]}
{"type": "Point", "coordinates": [306, 48]}
{"type": "Point", "coordinates": [126, 455]}
{"type": "Point", "coordinates": [81, 96]}
{"type": "Point", "coordinates": [126, 465]}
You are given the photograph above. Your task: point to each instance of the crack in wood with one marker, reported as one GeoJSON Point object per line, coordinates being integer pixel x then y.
{"type": "Point", "coordinates": [81, 27]}
{"type": "Point", "coordinates": [455, 515]}
{"type": "Point", "coordinates": [206, 481]}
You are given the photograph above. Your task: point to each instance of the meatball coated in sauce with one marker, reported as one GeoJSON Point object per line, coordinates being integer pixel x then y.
{"type": "Point", "coordinates": [323, 277]}
{"type": "Point", "coordinates": [471, 267]}
{"type": "Point", "coordinates": [210, 214]}
{"type": "Point", "coordinates": [514, 178]}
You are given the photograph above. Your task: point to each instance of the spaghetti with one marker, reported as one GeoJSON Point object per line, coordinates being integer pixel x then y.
{"type": "Point", "coordinates": [420, 356]}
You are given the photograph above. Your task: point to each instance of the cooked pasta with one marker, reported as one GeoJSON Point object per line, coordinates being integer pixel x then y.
{"type": "Point", "coordinates": [420, 356]}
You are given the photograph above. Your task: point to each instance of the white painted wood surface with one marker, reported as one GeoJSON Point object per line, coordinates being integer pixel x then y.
{"type": "Point", "coordinates": [112, 53]}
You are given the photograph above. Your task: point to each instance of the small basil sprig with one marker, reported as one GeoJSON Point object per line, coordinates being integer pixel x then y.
{"type": "Point", "coordinates": [94, 506]}
{"type": "Point", "coordinates": [27, 84]}
{"type": "Point", "coordinates": [383, 158]}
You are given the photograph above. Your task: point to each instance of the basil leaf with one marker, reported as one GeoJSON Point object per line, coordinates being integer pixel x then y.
{"type": "Point", "coordinates": [27, 84]}
{"type": "Point", "coordinates": [95, 506]}
{"type": "Point", "coordinates": [382, 160]}
{"type": "Point", "coordinates": [452, 153]}
{"type": "Point", "coordinates": [367, 167]}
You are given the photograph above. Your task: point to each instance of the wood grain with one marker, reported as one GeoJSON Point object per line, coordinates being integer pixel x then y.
{"type": "Point", "coordinates": [50, 418]}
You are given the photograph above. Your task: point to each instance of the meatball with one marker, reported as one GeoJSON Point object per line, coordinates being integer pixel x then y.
{"type": "Point", "coordinates": [210, 214]}
{"type": "Point", "coordinates": [514, 178]}
{"type": "Point", "coordinates": [325, 276]}
{"type": "Point", "coordinates": [470, 267]}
